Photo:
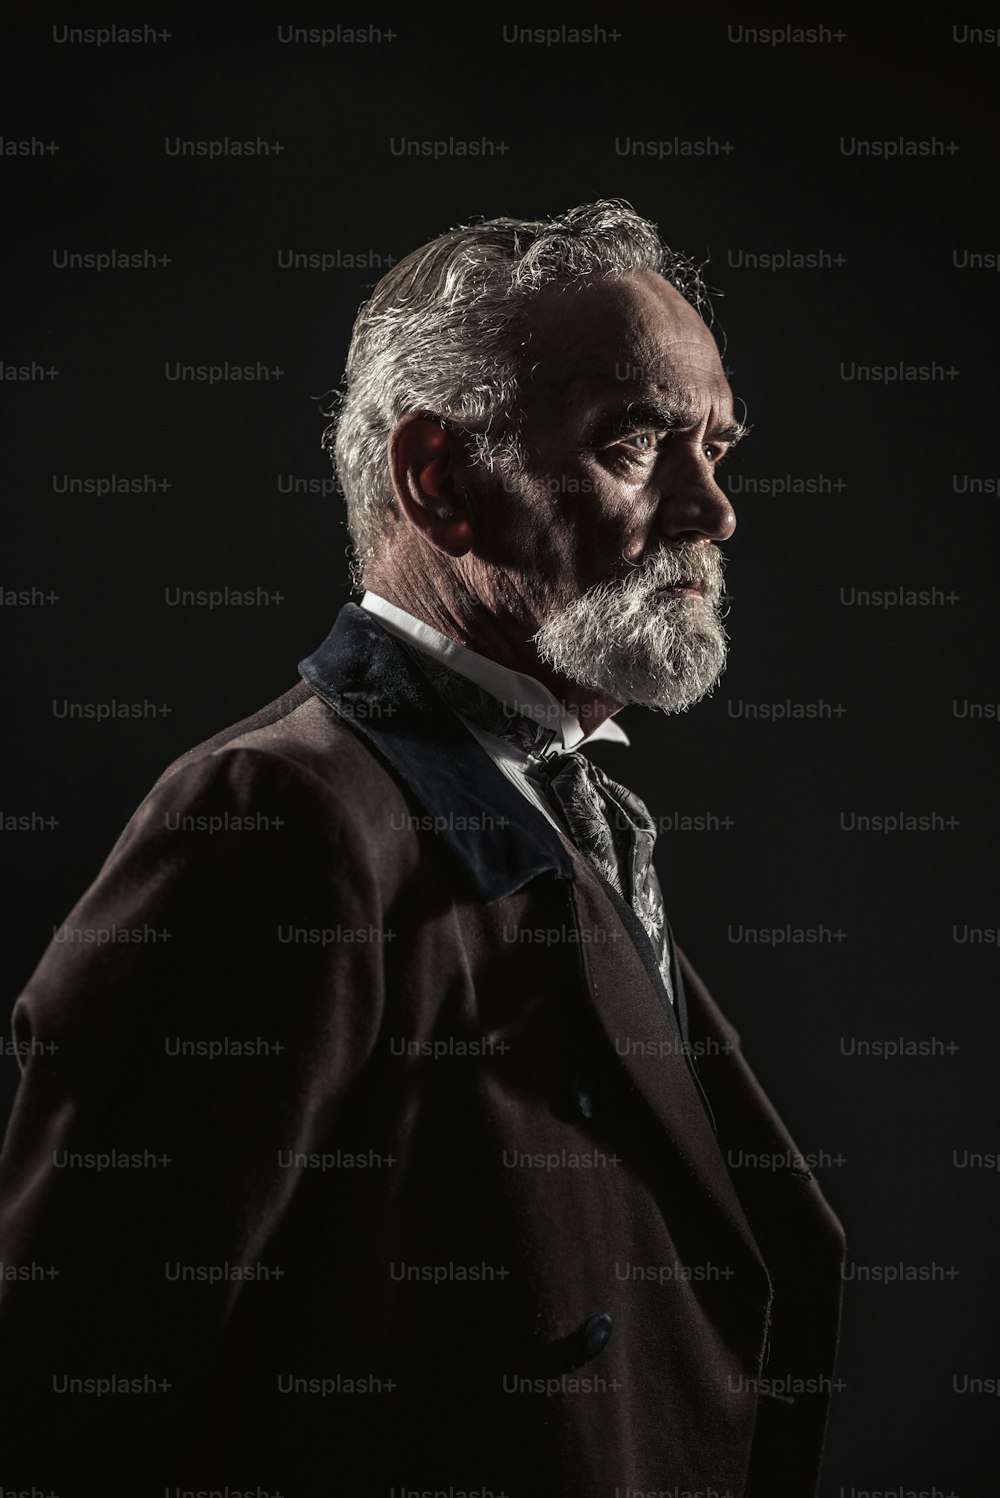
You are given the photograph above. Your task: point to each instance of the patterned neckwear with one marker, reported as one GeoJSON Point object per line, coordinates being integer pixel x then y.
{"type": "Point", "coordinates": [609, 825]}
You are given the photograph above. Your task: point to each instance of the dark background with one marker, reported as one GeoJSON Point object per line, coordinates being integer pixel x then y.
{"type": "Point", "coordinates": [888, 486]}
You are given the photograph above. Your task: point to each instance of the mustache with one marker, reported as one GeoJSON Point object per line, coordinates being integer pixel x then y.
{"type": "Point", "coordinates": [688, 563]}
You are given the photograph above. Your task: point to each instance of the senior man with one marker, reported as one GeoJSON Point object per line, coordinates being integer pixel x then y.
{"type": "Point", "coordinates": [392, 1152]}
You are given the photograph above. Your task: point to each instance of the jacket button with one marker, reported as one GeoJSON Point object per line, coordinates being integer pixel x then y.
{"type": "Point", "coordinates": [594, 1335]}
{"type": "Point", "coordinates": [584, 1098]}
{"type": "Point", "coordinates": [579, 1346]}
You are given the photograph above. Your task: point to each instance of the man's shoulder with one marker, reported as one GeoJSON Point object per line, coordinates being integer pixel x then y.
{"type": "Point", "coordinates": [295, 730]}
{"type": "Point", "coordinates": [295, 769]}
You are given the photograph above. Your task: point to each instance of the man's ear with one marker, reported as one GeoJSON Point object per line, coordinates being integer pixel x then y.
{"type": "Point", "coordinates": [422, 455]}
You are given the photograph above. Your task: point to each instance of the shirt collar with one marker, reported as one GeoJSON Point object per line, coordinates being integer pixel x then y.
{"type": "Point", "coordinates": [523, 693]}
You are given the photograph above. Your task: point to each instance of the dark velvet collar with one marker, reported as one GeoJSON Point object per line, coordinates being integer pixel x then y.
{"type": "Point", "coordinates": [502, 841]}
{"type": "Point", "coordinates": [367, 676]}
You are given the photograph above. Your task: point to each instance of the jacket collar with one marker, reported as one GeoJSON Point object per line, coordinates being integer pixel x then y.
{"type": "Point", "coordinates": [369, 678]}
{"type": "Point", "coordinates": [525, 693]}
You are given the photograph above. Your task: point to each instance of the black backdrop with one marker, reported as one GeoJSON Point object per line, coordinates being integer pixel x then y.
{"type": "Point", "coordinates": [844, 189]}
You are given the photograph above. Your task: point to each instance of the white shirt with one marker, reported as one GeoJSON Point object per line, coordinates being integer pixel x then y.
{"type": "Point", "coordinates": [523, 693]}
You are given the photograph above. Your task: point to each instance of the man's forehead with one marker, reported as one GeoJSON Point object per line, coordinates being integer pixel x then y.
{"type": "Point", "coordinates": [629, 335]}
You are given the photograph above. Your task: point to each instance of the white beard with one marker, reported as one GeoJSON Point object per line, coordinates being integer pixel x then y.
{"type": "Point", "coordinates": [642, 647]}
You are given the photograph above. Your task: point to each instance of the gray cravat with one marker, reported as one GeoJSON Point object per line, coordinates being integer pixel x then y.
{"type": "Point", "coordinates": [609, 825]}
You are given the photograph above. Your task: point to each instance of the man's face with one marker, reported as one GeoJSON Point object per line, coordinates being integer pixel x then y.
{"type": "Point", "coordinates": [604, 540]}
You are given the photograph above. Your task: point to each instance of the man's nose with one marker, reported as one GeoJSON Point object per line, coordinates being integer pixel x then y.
{"type": "Point", "coordinates": [692, 505]}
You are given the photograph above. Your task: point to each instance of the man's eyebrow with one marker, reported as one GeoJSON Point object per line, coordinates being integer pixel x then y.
{"type": "Point", "coordinates": [635, 415]}
{"type": "Point", "coordinates": [731, 434]}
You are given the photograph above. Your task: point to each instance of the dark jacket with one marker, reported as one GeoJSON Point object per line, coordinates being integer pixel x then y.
{"type": "Point", "coordinates": [358, 1149]}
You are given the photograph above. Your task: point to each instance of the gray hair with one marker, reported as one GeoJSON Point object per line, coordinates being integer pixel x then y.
{"type": "Point", "coordinates": [443, 334]}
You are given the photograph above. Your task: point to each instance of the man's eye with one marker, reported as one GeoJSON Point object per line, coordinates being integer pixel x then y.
{"type": "Point", "coordinates": [649, 440]}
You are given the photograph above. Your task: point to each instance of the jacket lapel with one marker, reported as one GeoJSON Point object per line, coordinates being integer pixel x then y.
{"type": "Point", "coordinates": [366, 676]}
{"type": "Point", "coordinates": [649, 1047]}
